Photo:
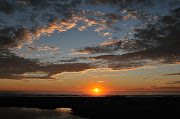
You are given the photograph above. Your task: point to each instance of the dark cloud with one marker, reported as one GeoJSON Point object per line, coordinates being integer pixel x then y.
{"type": "Point", "coordinates": [100, 1]}
{"type": "Point", "coordinates": [174, 82]}
{"type": "Point", "coordinates": [122, 3]}
{"type": "Point", "coordinates": [32, 48]}
{"type": "Point", "coordinates": [35, 2]}
{"type": "Point", "coordinates": [6, 7]}
{"type": "Point", "coordinates": [176, 12]}
{"type": "Point", "coordinates": [168, 20]}
{"type": "Point", "coordinates": [48, 18]}
{"type": "Point", "coordinates": [160, 55]}
{"type": "Point", "coordinates": [157, 43]}
{"type": "Point", "coordinates": [164, 88]}
{"type": "Point", "coordinates": [174, 74]}
{"type": "Point", "coordinates": [155, 88]}
{"type": "Point", "coordinates": [160, 35]}
{"type": "Point", "coordinates": [120, 62]}
{"type": "Point", "coordinates": [58, 68]}
{"type": "Point", "coordinates": [113, 16]}
{"type": "Point", "coordinates": [32, 20]}
{"type": "Point", "coordinates": [10, 36]}
{"type": "Point", "coordinates": [11, 64]}
{"type": "Point", "coordinates": [71, 60]}
{"type": "Point", "coordinates": [36, 19]}
{"type": "Point", "coordinates": [109, 48]}
{"type": "Point", "coordinates": [164, 35]}
{"type": "Point", "coordinates": [110, 22]}
{"type": "Point", "coordinates": [14, 67]}
{"type": "Point", "coordinates": [174, 3]}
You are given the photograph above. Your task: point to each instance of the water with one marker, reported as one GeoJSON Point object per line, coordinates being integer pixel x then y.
{"type": "Point", "coordinates": [35, 113]}
{"type": "Point", "coordinates": [85, 94]}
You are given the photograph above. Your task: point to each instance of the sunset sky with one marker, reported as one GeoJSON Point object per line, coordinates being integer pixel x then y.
{"type": "Point", "coordinates": [77, 45]}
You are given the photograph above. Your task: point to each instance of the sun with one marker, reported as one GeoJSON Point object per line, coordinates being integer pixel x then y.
{"type": "Point", "coordinates": [96, 90]}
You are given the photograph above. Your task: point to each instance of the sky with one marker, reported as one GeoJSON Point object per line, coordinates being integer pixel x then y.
{"type": "Point", "coordinates": [78, 45]}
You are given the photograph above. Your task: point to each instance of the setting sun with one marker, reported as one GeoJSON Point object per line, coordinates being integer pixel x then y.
{"type": "Point", "coordinates": [96, 89]}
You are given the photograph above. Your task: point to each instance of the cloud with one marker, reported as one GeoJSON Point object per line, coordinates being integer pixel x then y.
{"type": "Point", "coordinates": [31, 24]}
{"type": "Point", "coordinates": [71, 60]}
{"type": "Point", "coordinates": [174, 82]}
{"type": "Point", "coordinates": [81, 52]}
{"type": "Point", "coordinates": [123, 3]}
{"type": "Point", "coordinates": [174, 74]}
{"type": "Point", "coordinates": [109, 75]}
{"type": "Point", "coordinates": [103, 48]}
{"type": "Point", "coordinates": [7, 7]}
{"type": "Point", "coordinates": [101, 81]}
{"type": "Point", "coordinates": [42, 48]}
{"type": "Point", "coordinates": [106, 34]}
{"type": "Point", "coordinates": [168, 19]}
{"type": "Point", "coordinates": [155, 88]}
{"type": "Point", "coordinates": [14, 67]}
{"type": "Point", "coordinates": [165, 88]}
{"type": "Point", "coordinates": [98, 29]}
{"type": "Point", "coordinates": [59, 68]}
{"type": "Point", "coordinates": [147, 79]}
{"type": "Point", "coordinates": [10, 36]}
{"type": "Point", "coordinates": [108, 43]}
{"type": "Point", "coordinates": [37, 74]}
{"type": "Point", "coordinates": [52, 48]}
{"type": "Point", "coordinates": [59, 15]}
{"type": "Point", "coordinates": [156, 43]}
{"type": "Point", "coordinates": [131, 15]}
{"type": "Point", "coordinates": [82, 28]}
{"type": "Point", "coordinates": [113, 16]}
{"type": "Point", "coordinates": [154, 36]}
{"type": "Point", "coordinates": [91, 22]}
{"type": "Point", "coordinates": [155, 56]}
{"type": "Point", "coordinates": [58, 25]}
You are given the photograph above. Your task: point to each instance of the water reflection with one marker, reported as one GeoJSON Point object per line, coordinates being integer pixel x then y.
{"type": "Point", "coordinates": [35, 113]}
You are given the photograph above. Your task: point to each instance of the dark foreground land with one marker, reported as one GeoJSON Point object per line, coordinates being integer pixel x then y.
{"type": "Point", "coordinates": [103, 107]}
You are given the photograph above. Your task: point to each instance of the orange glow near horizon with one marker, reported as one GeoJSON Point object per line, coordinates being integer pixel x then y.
{"type": "Point", "coordinates": [96, 91]}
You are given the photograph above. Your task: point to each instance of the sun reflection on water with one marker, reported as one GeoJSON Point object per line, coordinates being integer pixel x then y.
{"type": "Point", "coordinates": [64, 110]}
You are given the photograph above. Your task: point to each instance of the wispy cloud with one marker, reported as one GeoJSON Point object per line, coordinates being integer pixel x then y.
{"type": "Point", "coordinates": [33, 69]}
{"type": "Point", "coordinates": [106, 34]}
{"type": "Point", "coordinates": [173, 74]}
{"type": "Point", "coordinates": [103, 48]}
{"type": "Point", "coordinates": [174, 82]}
{"type": "Point", "coordinates": [43, 48]}
{"type": "Point", "coordinates": [108, 43]}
